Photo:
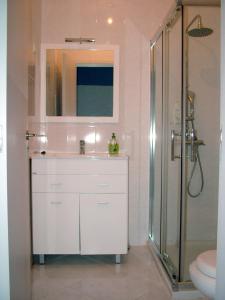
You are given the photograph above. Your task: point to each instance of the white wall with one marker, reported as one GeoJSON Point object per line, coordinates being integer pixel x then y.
{"type": "Point", "coordinates": [134, 24]}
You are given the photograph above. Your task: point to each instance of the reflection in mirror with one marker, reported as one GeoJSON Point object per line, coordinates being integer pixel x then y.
{"type": "Point", "coordinates": [79, 82]}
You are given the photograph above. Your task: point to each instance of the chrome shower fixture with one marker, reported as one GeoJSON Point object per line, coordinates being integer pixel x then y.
{"type": "Point", "coordinates": [191, 106]}
{"type": "Point", "coordinates": [199, 31]}
{"type": "Point", "coordinates": [79, 40]}
{"type": "Point", "coordinates": [193, 142]}
{"type": "Point", "coordinates": [191, 97]}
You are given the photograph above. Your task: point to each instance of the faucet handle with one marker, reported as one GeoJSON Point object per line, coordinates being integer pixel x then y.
{"type": "Point", "coordinates": [82, 146]}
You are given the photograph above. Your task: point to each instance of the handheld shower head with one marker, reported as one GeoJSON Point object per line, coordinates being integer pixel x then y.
{"type": "Point", "coordinates": [190, 104]}
{"type": "Point", "coordinates": [191, 96]}
{"type": "Point", "coordinates": [199, 31]}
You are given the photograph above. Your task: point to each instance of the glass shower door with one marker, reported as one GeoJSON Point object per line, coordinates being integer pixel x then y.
{"type": "Point", "coordinates": [202, 104]}
{"type": "Point", "coordinates": [156, 140]}
{"type": "Point", "coordinates": [185, 134]}
{"type": "Point", "coordinates": [172, 146]}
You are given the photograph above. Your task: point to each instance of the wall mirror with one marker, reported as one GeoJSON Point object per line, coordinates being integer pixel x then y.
{"type": "Point", "coordinates": [79, 83]}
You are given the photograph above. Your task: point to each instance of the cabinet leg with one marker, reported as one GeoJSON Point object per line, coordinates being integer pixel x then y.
{"type": "Point", "coordinates": [118, 258]}
{"type": "Point", "coordinates": [41, 259]}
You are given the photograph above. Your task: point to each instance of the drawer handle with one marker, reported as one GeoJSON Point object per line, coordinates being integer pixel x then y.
{"type": "Point", "coordinates": [102, 203]}
{"type": "Point", "coordinates": [103, 184]}
{"type": "Point", "coordinates": [56, 202]}
{"type": "Point", "coordinates": [56, 184]}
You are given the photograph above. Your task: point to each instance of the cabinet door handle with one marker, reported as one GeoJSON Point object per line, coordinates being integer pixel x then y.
{"type": "Point", "coordinates": [103, 184]}
{"type": "Point", "coordinates": [56, 202]}
{"type": "Point", "coordinates": [102, 203]}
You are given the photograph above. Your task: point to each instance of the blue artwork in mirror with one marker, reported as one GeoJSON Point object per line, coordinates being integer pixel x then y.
{"type": "Point", "coordinates": [94, 90]}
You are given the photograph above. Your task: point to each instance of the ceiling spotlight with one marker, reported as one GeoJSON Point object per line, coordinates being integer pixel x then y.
{"type": "Point", "coordinates": [110, 21]}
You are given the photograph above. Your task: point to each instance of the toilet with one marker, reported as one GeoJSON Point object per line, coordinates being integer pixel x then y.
{"type": "Point", "coordinates": [203, 273]}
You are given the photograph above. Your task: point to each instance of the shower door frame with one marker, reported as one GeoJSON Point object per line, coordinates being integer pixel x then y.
{"type": "Point", "coordinates": [178, 279]}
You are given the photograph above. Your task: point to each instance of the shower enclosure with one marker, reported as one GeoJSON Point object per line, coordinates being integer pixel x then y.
{"type": "Point", "coordinates": [184, 136]}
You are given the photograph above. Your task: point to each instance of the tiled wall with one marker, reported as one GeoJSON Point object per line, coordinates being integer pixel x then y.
{"type": "Point", "coordinates": [204, 81]}
{"type": "Point", "coordinates": [134, 24]}
{"type": "Point", "coordinates": [64, 137]}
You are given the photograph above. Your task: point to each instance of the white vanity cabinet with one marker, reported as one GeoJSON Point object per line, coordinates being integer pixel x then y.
{"type": "Point", "coordinates": [55, 223]}
{"type": "Point", "coordinates": [80, 205]}
{"type": "Point", "coordinates": [102, 223]}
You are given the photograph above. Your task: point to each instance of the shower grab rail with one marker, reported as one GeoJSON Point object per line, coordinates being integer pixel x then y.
{"type": "Point", "coordinates": [193, 147]}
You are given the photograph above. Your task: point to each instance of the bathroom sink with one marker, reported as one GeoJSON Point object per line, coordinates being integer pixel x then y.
{"type": "Point", "coordinates": [91, 155]}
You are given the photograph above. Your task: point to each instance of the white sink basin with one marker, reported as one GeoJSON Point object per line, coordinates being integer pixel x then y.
{"type": "Point", "coordinates": [92, 155]}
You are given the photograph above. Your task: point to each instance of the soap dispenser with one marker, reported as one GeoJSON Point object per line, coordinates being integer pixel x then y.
{"type": "Point", "coordinates": [113, 146]}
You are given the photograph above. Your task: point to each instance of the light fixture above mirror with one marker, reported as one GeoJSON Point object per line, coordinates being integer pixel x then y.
{"type": "Point", "coordinates": [79, 83]}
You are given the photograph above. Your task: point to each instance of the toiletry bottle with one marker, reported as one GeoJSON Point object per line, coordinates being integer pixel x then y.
{"type": "Point", "coordinates": [113, 146]}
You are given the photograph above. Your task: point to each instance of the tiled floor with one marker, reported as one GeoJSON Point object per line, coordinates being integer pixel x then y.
{"type": "Point", "coordinates": [99, 278]}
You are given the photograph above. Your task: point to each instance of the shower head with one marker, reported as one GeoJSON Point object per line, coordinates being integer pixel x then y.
{"type": "Point", "coordinates": [199, 31]}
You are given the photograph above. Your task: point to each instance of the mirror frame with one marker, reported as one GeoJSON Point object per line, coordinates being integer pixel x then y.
{"type": "Point", "coordinates": [77, 119]}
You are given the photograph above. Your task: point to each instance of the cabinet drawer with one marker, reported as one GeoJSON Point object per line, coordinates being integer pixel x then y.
{"type": "Point", "coordinates": [55, 220]}
{"type": "Point", "coordinates": [79, 183]}
{"type": "Point", "coordinates": [79, 166]}
{"type": "Point", "coordinates": [103, 223]}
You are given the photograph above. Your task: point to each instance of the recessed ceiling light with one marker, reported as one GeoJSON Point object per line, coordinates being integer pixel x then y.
{"type": "Point", "coordinates": [110, 21]}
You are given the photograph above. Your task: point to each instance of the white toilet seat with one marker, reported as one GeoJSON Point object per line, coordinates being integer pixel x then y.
{"type": "Point", "coordinates": [203, 273]}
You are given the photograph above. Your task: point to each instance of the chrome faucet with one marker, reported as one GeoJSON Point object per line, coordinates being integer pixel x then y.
{"type": "Point", "coordinates": [82, 147]}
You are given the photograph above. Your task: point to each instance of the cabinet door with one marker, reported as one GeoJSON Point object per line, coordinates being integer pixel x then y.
{"type": "Point", "coordinates": [103, 223]}
{"type": "Point", "coordinates": [55, 223]}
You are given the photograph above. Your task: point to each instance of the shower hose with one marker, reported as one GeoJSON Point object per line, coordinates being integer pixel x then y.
{"type": "Point", "coordinates": [197, 161]}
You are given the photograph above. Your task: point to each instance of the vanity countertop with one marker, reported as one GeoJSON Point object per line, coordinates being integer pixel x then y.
{"type": "Point", "coordinates": [73, 155]}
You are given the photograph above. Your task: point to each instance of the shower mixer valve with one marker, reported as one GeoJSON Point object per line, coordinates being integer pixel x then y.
{"type": "Point", "coordinates": [194, 142]}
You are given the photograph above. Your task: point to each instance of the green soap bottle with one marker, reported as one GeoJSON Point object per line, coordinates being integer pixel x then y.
{"type": "Point", "coordinates": [113, 146]}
